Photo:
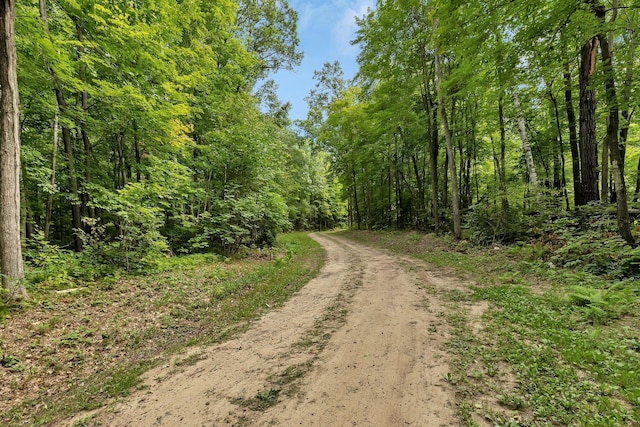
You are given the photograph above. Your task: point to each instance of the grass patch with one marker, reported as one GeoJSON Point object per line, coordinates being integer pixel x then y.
{"type": "Point", "coordinates": [65, 353]}
{"type": "Point", "coordinates": [264, 399]}
{"type": "Point", "coordinates": [559, 346]}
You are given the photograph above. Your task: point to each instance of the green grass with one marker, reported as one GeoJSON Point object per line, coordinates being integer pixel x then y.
{"type": "Point", "coordinates": [198, 299]}
{"type": "Point", "coordinates": [569, 339]}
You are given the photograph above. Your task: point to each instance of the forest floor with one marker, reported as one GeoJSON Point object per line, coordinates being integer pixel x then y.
{"type": "Point", "coordinates": [364, 343]}
{"type": "Point", "coordinates": [397, 328]}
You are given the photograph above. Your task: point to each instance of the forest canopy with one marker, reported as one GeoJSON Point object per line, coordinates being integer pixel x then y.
{"type": "Point", "coordinates": [151, 127]}
{"type": "Point", "coordinates": [489, 117]}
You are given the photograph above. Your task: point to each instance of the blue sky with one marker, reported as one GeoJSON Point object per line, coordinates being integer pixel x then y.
{"type": "Point", "coordinates": [325, 28]}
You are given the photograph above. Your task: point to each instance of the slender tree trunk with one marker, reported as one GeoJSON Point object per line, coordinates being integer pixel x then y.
{"type": "Point", "coordinates": [389, 197]}
{"type": "Point", "coordinates": [10, 245]}
{"type": "Point", "coordinates": [588, 143]}
{"type": "Point", "coordinates": [471, 154]}
{"type": "Point", "coordinates": [563, 179]}
{"type": "Point", "coordinates": [84, 103]}
{"type": "Point", "coordinates": [43, 14]}
{"type": "Point", "coordinates": [355, 200]}
{"type": "Point", "coordinates": [526, 146]}
{"type": "Point", "coordinates": [573, 140]}
{"type": "Point", "coordinates": [496, 161]}
{"type": "Point", "coordinates": [503, 154]}
{"type": "Point", "coordinates": [626, 92]}
{"type": "Point", "coordinates": [624, 135]}
{"type": "Point", "coordinates": [420, 184]}
{"type": "Point", "coordinates": [121, 177]}
{"type": "Point", "coordinates": [76, 214]}
{"type": "Point", "coordinates": [457, 231]}
{"type": "Point", "coordinates": [431, 114]}
{"type": "Point", "coordinates": [52, 179]}
{"type": "Point", "coordinates": [624, 224]}
{"type": "Point", "coordinates": [604, 175]}
{"type": "Point", "coordinates": [433, 169]}
{"type": "Point", "coordinates": [138, 151]}
{"type": "Point", "coordinates": [637, 192]}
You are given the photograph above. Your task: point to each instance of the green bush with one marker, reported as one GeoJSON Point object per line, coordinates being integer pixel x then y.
{"type": "Point", "coordinates": [588, 240]}
{"type": "Point", "coordinates": [47, 265]}
{"type": "Point", "coordinates": [489, 224]}
{"type": "Point", "coordinates": [601, 305]}
{"type": "Point", "coordinates": [236, 222]}
{"type": "Point", "coordinates": [130, 237]}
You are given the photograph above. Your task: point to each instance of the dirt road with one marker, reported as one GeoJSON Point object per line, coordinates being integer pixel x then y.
{"type": "Point", "coordinates": [360, 345]}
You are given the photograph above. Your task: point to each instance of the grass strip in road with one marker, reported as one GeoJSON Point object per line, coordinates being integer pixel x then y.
{"type": "Point", "coordinates": [550, 352]}
{"type": "Point", "coordinates": [75, 352]}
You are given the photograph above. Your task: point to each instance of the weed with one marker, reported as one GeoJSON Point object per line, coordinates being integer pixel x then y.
{"type": "Point", "coordinates": [189, 360]}
{"type": "Point", "coordinates": [600, 305]}
{"type": "Point", "coordinates": [70, 340]}
{"type": "Point", "coordinates": [262, 400]}
{"type": "Point", "coordinates": [12, 363]}
{"type": "Point", "coordinates": [511, 400]}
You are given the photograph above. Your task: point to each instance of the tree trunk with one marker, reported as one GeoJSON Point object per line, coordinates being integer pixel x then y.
{"type": "Point", "coordinates": [503, 154]}
{"type": "Point", "coordinates": [637, 192]}
{"type": "Point", "coordinates": [526, 146]}
{"type": "Point", "coordinates": [84, 103]}
{"type": "Point", "coordinates": [573, 140]}
{"type": "Point", "coordinates": [563, 179]}
{"type": "Point", "coordinates": [355, 201]}
{"type": "Point", "coordinates": [445, 180]}
{"type": "Point", "coordinates": [52, 179]}
{"type": "Point", "coordinates": [457, 231]}
{"type": "Point", "coordinates": [120, 162]}
{"type": "Point", "coordinates": [431, 114]}
{"type": "Point", "coordinates": [588, 143]}
{"type": "Point", "coordinates": [138, 151]}
{"type": "Point", "coordinates": [10, 245]}
{"type": "Point", "coordinates": [624, 224]}
{"type": "Point", "coordinates": [604, 175]}
{"type": "Point", "coordinates": [421, 190]}
{"type": "Point", "coordinates": [433, 166]}
{"type": "Point", "coordinates": [626, 93]}
{"type": "Point", "coordinates": [76, 213]}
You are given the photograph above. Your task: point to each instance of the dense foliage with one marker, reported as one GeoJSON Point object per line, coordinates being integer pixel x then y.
{"type": "Point", "coordinates": [150, 128]}
{"type": "Point", "coordinates": [502, 114]}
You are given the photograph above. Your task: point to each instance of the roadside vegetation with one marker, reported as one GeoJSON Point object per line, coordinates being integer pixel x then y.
{"type": "Point", "coordinates": [561, 332]}
{"type": "Point", "coordinates": [79, 343]}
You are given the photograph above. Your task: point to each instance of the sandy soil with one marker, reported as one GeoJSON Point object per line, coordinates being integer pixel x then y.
{"type": "Point", "coordinates": [360, 345]}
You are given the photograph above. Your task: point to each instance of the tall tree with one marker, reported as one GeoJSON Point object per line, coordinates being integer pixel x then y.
{"type": "Point", "coordinates": [573, 137]}
{"type": "Point", "coordinates": [526, 145]}
{"type": "Point", "coordinates": [268, 29]}
{"type": "Point", "coordinates": [588, 142]}
{"type": "Point", "coordinates": [613, 125]}
{"type": "Point", "coordinates": [10, 245]}
{"type": "Point", "coordinates": [457, 227]}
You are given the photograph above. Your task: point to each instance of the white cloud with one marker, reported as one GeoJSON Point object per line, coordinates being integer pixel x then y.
{"type": "Point", "coordinates": [312, 14]}
{"type": "Point", "coordinates": [337, 16]}
{"type": "Point", "coordinates": [344, 29]}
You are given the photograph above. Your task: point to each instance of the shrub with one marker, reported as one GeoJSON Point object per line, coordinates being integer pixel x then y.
{"type": "Point", "coordinates": [588, 239]}
{"type": "Point", "coordinates": [131, 237]}
{"type": "Point", "coordinates": [48, 265]}
{"type": "Point", "coordinates": [489, 224]}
